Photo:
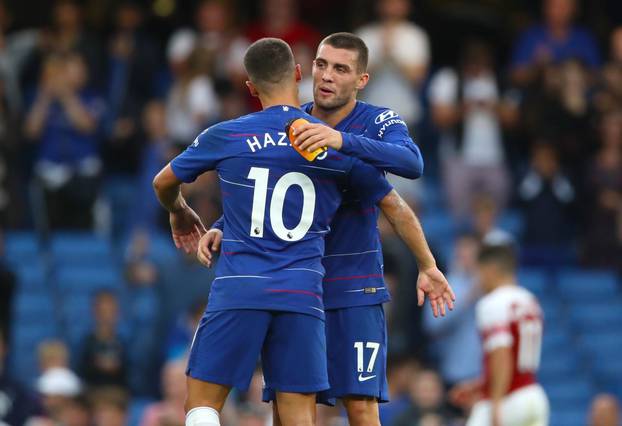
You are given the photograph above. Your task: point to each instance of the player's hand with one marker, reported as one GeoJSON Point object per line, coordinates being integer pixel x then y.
{"type": "Point", "coordinates": [312, 136]}
{"type": "Point", "coordinates": [466, 394]}
{"type": "Point", "coordinates": [187, 228]}
{"type": "Point", "coordinates": [209, 243]}
{"type": "Point", "coordinates": [432, 282]}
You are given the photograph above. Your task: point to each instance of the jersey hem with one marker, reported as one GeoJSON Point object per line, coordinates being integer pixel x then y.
{"type": "Point", "coordinates": [355, 305]}
{"type": "Point", "coordinates": [281, 308]}
{"type": "Point", "coordinates": [313, 388]}
{"type": "Point", "coordinates": [217, 380]}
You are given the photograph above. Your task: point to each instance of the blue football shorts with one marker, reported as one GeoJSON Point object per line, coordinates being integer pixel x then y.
{"type": "Point", "coordinates": [292, 346]}
{"type": "Point", "coordinates": [356, 341]}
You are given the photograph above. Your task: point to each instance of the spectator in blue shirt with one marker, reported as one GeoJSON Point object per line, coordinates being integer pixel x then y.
{"type": "Point", "coordinates": [63, 120]}
{"type": "Point", "coordinates": [553, 41]}
{"type": "Point", "coordinates": [454, 339]}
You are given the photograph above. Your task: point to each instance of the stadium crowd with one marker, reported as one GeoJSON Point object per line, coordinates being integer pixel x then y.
{"type": "Point", "coordinates": [523, 136]}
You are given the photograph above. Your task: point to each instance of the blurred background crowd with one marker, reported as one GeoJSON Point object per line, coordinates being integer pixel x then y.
{"type": "Point", "coordinates": [516, 105]}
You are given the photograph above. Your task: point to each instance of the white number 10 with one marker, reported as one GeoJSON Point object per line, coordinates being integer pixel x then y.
{"type": "Point", "coordinates": [277, 203]}
{"type": "Point", "coordinates": [359, 355]}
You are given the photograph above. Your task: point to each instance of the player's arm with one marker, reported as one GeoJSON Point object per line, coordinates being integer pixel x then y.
{"type": "Point", "coordinates": [501, 371]}
{"type": "Point", "coordinates": [186, 226]}
{"type": "Point", "coordinates": [493, 320]}
{"type": "Point", "coordinates": [431, 280]}
{"type": "Point", "coordinates": [201, 156]}
{"type": "Point", "coordinates": [396, 153]}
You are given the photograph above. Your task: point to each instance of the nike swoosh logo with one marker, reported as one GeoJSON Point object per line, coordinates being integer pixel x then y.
{"type": "Point", "coordinates": [363, 379]}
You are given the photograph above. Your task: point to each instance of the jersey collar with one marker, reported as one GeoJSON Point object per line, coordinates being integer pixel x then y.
{"type": "Point", "coordinates": [309, 110]}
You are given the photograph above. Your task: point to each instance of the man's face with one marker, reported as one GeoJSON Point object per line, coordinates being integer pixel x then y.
{"type": "Point", "coordinates": [336, 79]}
{"type": "Point", "coordinates": [559, 12]}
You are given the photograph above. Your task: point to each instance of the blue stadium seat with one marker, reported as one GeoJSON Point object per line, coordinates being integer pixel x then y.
{"type": "Point", "coordinates": [599, 342]}
{"type": "Point", "coordinates": [439, 225]}
{"type": "Point", "coordinates": [568, 416]}
{"type": "Point", "coordinates": [31, 276]}
{"type": "Point", "coordinates": [77, 305]}
{"type": "Point", "coordinates": [607, 367]}
{"type": "Point", "coordinates": [512, 221]}
{"type": "Point", "coordinates": [595, 317]}
{"type": "Point", "coordinates": [162, 247]}
{"type": "Point", "coordinates": [24, 365]}
{"type": "Point", "coordinates": [80, 248]}
{"type": "Point", "coordinates": [77, 318]}
{"type": "Point", "coordinates": [558, 363]}
{"type": "Point", "coordinates": [433, 197]}
{"type": "Point", "coordinates": [571, 391]}
{"type": "Point", "coordinates": [29, 336]}
{"type": "Point", "coordinates": [32, 307]}
{"type": "Point", "coordinates": [21, 247]}
{"type": "Point", "coordinates": [556, 336]}
{"type": "Point", "coordinates": [88, 279]}
{"type": "Point", "coordinates": [535, 280]}
{"type": "Point", "coordinates": [581, 285]}
{"type": "Point", "coordinates": [121, 194]}
{"type": "Point", "coordinates": [554, 316]}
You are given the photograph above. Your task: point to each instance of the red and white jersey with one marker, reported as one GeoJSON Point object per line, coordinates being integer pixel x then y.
{"type": "Point", "coordinates": [510, 316]}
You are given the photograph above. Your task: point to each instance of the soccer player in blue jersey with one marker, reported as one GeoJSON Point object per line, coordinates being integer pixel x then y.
{"type": "Point", "coordinates": [266, 298]}
{"type": "Point", "coordinates": [354, 288]}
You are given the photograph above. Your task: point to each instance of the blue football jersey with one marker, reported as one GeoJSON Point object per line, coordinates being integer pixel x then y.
{"type": "Point", "coordinates": [277, 208]}
{"type": "Point", "coordinates": [353, 258]}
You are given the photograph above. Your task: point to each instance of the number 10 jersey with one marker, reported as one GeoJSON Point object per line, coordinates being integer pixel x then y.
{"type": "Point", "coordinates": [277, 208]}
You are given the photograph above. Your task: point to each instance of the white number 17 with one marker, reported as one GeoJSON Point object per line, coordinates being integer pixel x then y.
{"type": "Point", "coordinates": [359, 355]}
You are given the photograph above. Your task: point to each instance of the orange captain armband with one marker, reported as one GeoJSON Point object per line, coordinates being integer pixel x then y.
{"type": "Point", "coordinates": [289, 129]}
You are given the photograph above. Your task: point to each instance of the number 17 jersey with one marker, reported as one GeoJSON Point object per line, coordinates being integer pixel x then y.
{"type": "Point", "coordinates": [277, 208]}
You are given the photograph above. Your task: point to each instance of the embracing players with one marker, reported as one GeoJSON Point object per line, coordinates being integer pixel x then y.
{"type": "Point", "coordinates": [267, 295]}
{"type": "Point", "coordinates": [354, 288]}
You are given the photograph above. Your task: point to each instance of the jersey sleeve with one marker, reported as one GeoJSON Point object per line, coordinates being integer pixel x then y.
{"type": "Point", "coordinates": [493, 321]}
{"type": "Point", "coordinates": [202, 155]}
{"type": "Point", "coordinates": [391, 148]}
{"type": "Point", "coordinates": [219, 224]}
{"type": "Point", "coordinates": [368, 183]}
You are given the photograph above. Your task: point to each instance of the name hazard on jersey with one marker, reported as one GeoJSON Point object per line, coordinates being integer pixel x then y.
{"type": "Point", "coordinates": [257, 142]}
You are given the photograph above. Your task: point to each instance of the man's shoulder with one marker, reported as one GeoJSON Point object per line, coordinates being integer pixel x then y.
{"type": "Point", "coordinates": [379, 118]}
{"type": "Point", "coordinates": [582, 34]}
{"type": "Point", "coordinates": [376, 113]}
{"type": "Point", "coordinates": [493, 308]}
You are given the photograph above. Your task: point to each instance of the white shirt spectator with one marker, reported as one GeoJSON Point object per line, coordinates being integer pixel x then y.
{"type": "Point", "coordinates": [388, 86]}
{"type": "Point", "coordinates": [482, 143]}
{"type": "Point", "coordinates": [189, 109]}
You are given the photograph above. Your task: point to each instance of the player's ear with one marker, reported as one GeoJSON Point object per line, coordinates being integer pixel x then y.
{"type": "Point", "coordinates": [252, 89]}
{"type": "Point", "coordinates": [298, 73]}
{"type": "Point", "coordinates": [363, 79]}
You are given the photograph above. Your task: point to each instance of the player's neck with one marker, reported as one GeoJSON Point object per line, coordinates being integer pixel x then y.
{"type": "Point", "coordinates": [290, 99]}
{"type": "Point", "coordinates": [505, 281]}
{"type": "Point", "coordinates": [332, 117]}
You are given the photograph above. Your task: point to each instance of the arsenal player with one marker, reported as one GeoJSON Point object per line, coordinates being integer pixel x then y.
{"type": "Point", "coordinates": [510, 322]}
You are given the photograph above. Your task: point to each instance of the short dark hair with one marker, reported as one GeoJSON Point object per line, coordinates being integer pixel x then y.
{"type": "Point", "coordinates": [353, 42]}
{"type": "Point", "coordinates": [269, 61]}
{"type": "Point", "coordinates": [502, 255]}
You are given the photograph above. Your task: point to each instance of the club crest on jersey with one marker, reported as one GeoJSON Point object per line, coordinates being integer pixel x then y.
{"type": "Point", "coordinates": [384, 116]}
